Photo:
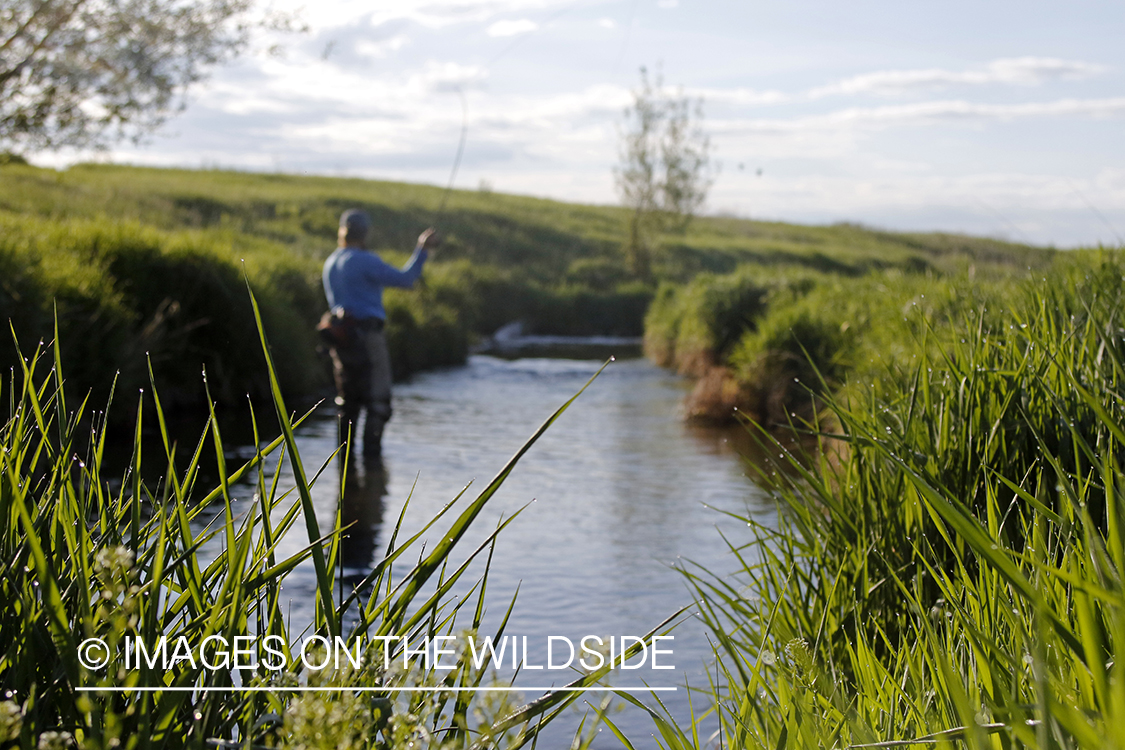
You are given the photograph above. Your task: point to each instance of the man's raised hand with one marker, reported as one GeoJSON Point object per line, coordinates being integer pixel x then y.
{"type": "Point", "coordinates": [429, 239]}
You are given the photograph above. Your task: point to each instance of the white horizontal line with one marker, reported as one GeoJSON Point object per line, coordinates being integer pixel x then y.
{"type": "Point", "coordinates": [261, 689]}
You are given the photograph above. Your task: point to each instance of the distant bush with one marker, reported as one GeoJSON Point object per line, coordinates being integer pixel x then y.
{"type": "Point", "coordinates": [597, 274]}
{"type": "Point", "coordinates": [818, 343]}
{"type": "Point", "coordinates": [488, 297]}
{"type": "Point", "coordinates": [128, 295]}
{"type": "Point", "coordinates": [484, 297]}
{"type": "Point", "coordinates": [696, 326]}
{"type": "Point", "coordinates": [693, 328]}
{"type": "Point", "coordinates": [805, 331]}
{"type": "Point", "coordinates": [422, 334]}
{"type": "Point", "coordinates": [574, 311]}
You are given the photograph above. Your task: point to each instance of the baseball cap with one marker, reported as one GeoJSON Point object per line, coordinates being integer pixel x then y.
{"type": "Point", "coordinates": [355, 220]}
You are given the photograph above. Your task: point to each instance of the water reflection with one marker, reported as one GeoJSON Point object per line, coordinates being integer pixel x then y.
{"type": "Point", "coordinates": [735, 441]}
{"type": "Point", "coordinates": [758, 452]}
{"type": "Point", "coordinates": [364, 486]}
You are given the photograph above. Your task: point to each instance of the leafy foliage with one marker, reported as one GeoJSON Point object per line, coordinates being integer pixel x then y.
{"type": "Point", "coordinates": [84, 72]}
{"type": "Point", "coordinates": [665, 167]}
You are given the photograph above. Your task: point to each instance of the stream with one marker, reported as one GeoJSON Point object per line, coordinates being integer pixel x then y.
{"type": "Point", "coordinates": [617, 492]}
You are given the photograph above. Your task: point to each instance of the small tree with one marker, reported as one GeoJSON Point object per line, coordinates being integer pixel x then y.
{"type": "Point", "coordinates": [665, 168]}
{"type": "Point", "coordinates": [86, 72]}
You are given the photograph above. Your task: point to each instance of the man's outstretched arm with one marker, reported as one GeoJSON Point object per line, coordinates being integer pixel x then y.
{"type": "Point", "coordinates": [384, 274]}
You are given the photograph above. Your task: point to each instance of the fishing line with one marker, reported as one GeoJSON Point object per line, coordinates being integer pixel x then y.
{"type": "Point", "coordinates": [1097, 213]}
{"type": "Point", "coordinates": [460, 152]}
{"type": "Point", "coordinates": [628, 33]}
{"type": "Point", "coordinates": [465, 109]}
{"type": "Point", "coordinates": [1011, 224]}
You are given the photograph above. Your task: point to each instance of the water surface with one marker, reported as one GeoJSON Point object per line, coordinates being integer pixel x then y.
{"type": "Point", "coordinates": [620, 491]}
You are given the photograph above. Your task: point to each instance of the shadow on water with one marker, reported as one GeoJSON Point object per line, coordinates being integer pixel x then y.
{"type": "Point", "coordinates": [361, 513]}
{"type": "Point", "coordinates": [756, 451]}
{"type": "Point", "coordinates": [185, 430]}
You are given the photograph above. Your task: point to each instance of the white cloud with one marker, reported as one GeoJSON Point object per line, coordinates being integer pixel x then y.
{"type": "Point", "coordinates": [301, 92]}
{"type": "Point", "coordinates": [512, 28]}
{"type": "Point", "coordinates": [355, 136]}
{"type": "Point", "coordinates": [382, 49]}
{"type": "Point", "coordinates": [239, 100]}
{"type": "Point", "coordinates": [1023, 71]}
{"type": "Point", "coordinates": [844, 134]}
{"type": "Point", "coordinates": [1034, 70]}
{"type": "Point", "coordinates": [740, 96]}
{"type": "Point", "coordinates": [921, 112]}
{"type": "Point", "coordinates": [667, 4]}
{"type": "Point", "coordinates": [607, 23]}
{"type": "Point", "coordinates": [431, 14]}
{"type": "Point", "coordinates": [562, 111]}
{"type": "Point", "coordinates": [449, 76]}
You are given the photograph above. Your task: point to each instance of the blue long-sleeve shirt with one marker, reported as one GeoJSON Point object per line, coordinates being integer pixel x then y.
{"type": "Point", "coordinates": [354, 279]}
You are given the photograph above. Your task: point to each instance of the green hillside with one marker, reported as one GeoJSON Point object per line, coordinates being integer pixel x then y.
{"type": "Point", "coordinates": [152, 260]}
{"type": "Point", "coordinates": [545, 238]}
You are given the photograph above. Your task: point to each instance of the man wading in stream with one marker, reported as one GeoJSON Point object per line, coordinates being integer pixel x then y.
{"type": "Point", "coordinates": [354, 278]}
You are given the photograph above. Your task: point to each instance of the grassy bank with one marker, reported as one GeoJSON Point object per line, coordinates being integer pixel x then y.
{"type": "Point", "coordinates": [948, 567]}
{"type": "Point", "coordinates": [125, 294]}
{"type": "Point", "coordinates": [755, 337]}
{"type": "Point", "coordinates": [153, 260]}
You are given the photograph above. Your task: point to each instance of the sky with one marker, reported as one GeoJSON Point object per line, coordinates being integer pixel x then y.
{"type": "Point", "coordinates": [987, 117]}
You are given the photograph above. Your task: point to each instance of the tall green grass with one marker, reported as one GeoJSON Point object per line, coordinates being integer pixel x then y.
{"type": "Point", "coordinates": [83, 556]}
{"type": "Point", "coordinates": [948, 567]}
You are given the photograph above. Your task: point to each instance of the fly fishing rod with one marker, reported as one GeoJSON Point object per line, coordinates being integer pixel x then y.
{"type": "Point", "coordinates": [465, 115]}
{"type": "Point", "coordinates": [457, 158]}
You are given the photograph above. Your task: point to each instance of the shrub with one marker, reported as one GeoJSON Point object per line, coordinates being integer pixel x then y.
{"type": "Point", "coordinates": [422, 334]}
{"type": "Point", "coordinates": [818, 344]}
{"type": "Point", "coordinates": [597, 274]}
{"type": "Point", "coordinates": [697, 326]}
{"type": "Point", "coordinates": [128, 296]}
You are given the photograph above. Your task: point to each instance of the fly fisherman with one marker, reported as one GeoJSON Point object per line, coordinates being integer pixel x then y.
{"type": "Point", "coordinates": [354, 278]}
